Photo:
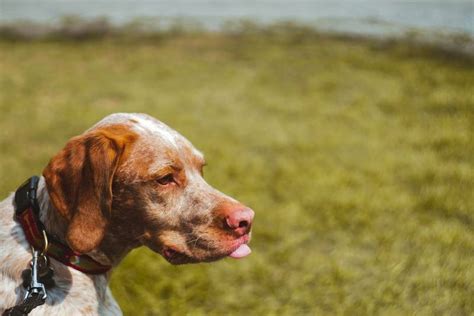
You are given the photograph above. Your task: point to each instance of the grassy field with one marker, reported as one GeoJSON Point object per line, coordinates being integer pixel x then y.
{"type": "Point", "coordinates": [356, 155]}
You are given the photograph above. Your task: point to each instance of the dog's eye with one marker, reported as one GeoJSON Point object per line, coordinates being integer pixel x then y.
{"type": "Point", "coordinates": [168, 179]}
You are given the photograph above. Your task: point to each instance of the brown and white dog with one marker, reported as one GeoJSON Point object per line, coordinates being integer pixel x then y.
{"type": "Point", "coordinates": [128, 181]}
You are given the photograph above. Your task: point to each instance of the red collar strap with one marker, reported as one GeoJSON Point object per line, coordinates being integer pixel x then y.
{"type": "Point", "coordinates": [27, 213]}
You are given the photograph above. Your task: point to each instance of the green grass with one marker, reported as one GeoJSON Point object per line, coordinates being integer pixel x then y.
{"type": "Point", "coordinates": [356, 155]}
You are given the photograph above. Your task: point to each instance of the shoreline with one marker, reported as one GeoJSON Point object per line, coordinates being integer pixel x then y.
{"type": "Point", "coordinates": [73, 28]}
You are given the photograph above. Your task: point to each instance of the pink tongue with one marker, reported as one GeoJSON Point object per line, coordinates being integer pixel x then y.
{"type": "Point", "coordinates": [241, 252]}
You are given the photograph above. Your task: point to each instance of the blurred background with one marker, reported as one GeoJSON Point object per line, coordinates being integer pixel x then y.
{"type": "Point", "coordinates": [346, 125]}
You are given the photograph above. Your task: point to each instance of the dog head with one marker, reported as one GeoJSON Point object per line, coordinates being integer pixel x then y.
{"type": "Point", "coordinates": [131, 180]}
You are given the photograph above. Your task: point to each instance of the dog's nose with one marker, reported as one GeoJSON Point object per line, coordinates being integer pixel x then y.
{"type": "Point", "coordinates": [240, 220]}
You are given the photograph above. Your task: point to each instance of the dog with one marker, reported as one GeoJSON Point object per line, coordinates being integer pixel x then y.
{"type": "Point", "coordinates": [128, 181]}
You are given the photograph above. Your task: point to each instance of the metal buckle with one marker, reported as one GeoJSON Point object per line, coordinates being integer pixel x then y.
{"type": "Point", "coordinates": [36, 288]}
{"type": "Point", "coordinates": [46, 243]}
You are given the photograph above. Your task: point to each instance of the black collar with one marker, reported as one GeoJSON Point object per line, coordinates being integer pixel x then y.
{"type": "Point", "coordinates": [27, 214]}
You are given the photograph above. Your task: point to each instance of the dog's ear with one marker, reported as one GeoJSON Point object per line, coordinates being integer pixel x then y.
{"type": "Point", "coordinates": [79, 182]}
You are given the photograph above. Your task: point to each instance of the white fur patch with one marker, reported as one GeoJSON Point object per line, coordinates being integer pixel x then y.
{"type": "Point", "coordinates": [155, 128]}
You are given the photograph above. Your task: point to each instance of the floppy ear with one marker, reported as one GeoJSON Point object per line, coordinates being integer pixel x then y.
{"type": "Point", "coordinates": [79, 182]}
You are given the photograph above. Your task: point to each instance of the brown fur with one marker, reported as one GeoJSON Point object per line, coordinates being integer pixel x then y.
{"type": "Point", "coordinates": [79, 182]}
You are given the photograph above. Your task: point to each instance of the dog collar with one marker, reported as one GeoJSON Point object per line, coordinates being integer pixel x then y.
{"type": "Point", "coordinates": [27, 214]}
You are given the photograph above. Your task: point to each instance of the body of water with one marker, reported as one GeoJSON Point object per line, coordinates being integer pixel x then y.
{"type": "Point", "coordinates": [355, 16]}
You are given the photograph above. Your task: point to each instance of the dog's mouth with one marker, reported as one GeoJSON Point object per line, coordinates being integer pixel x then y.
{"type": "Point", "coordinates": [237, 249]}
{"type": "Point", "coordinates": [240, 249]}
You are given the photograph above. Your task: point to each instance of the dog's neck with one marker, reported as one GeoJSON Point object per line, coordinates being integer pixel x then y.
{"type": "Point", "coordinates": [111, 250]}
